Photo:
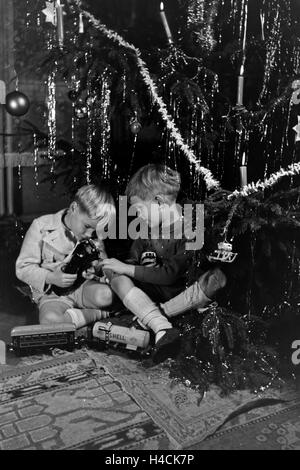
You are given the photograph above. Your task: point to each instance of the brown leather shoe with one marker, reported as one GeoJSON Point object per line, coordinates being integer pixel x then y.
{"type": "Point", "coordinates": [167, 346]}
{"type": "Point", "coordinates": [212, 281]}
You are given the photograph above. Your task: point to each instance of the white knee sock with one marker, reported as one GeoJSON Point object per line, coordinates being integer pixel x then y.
{"type": "Point", "coordinates": [84, 316]}
{"type": "Point", "coordinates": [191, 298]}
{"type": "Point", "coordinates": [146, 310]}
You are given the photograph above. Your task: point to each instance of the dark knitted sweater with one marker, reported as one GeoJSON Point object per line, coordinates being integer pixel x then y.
{"type": "Point", "coordinates": [173, 263]}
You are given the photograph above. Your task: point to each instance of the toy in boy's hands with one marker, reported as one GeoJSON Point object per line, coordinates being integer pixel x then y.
{"type": "Point", "coordinates": [59, 278]}
{"type": "Point", "coordinates": [93, 272]}
{"type": "Point", "coordinates": [83, 256]}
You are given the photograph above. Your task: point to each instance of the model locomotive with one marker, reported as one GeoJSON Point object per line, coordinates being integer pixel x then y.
{"type": "Point", "coordinates": [84, 254]}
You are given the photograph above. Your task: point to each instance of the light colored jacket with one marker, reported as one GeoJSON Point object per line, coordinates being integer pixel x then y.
{"type": "Point", "coordinates": [45, 246]}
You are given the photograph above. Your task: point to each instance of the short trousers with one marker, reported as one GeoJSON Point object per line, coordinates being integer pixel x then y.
{"type": "Point", "coordinates": [63, 302]}
{"type": "Point", "coordinates": [74, 299]}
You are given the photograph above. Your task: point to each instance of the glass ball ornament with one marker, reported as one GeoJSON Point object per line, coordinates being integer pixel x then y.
{"type": "Point", "coordinates": [16, 103]}
{"type": "Point", "coordinates": [135, 125]}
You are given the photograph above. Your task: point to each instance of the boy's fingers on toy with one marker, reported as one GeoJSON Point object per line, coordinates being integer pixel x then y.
{"type": "Point", "coordinates": [70, 277]}
{"type": "Point", "coordinates": [88, 275]}
{"type": "Point", "coordinates": [68, 283]}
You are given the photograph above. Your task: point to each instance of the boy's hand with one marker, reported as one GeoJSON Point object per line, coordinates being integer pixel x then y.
{"type": "Point", "coordinates": [89, 273]}
{"type": "Point", "coordinates": [59, 278]}
{"type": "Point", "coordinates": [93, 271]}
{"type": "Point", "coordinates": [117, 266]}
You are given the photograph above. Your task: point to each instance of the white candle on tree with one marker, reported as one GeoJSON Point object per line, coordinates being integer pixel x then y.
{"type": "Point", "coordinates": [243, 171]}
{"type": "Point", "coordinates": [81, 24]}
{"type": "Point", "coordinates": [240, 90]}
{"type": "Point", "coordinates": [60, 23]}
{"type": "Point", "coordinates": [165, 23]}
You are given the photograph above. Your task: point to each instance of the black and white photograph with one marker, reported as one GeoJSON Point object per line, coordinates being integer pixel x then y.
{"type": "Point", "coordinates": [149, 228]}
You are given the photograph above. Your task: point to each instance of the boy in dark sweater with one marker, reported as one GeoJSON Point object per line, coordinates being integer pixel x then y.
{"type": "Point", "coordinates": [152, 283]}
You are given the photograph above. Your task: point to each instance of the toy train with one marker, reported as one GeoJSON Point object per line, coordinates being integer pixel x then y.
{"type": "Point", "coordinates": [34, 338]}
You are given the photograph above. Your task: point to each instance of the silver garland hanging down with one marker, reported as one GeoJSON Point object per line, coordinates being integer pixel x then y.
{"type": "Point", "coordinates": [105, 127]}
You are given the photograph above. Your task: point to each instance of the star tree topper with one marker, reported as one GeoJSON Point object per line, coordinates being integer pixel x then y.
{"type": "Point", "coordinates": [297, 130]}
{"type": "Point", "coordinates": [50, 13]}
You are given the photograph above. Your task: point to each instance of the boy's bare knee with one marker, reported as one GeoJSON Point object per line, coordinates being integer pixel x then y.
{"type": "Point", "coordinates": [46, 318]}
{"type": "Point", "coordinates": [97, 295]}
{"type": "Point", "coordinates": [103, 297]}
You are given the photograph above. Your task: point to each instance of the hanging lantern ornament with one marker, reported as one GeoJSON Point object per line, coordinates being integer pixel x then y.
{"type": "Point", "coordinates": [224, 253]}
{"type": "Point", "coordinates": [16, 103]}
{"type": "Point", "coordinates": [135, 125]}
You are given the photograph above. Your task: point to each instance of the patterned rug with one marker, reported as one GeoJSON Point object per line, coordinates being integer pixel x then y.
{"type": "Point", "coordinates": [101, 400]}
{"type": "Point", "coordinates": [274, 430]}
{"type": "Point", "coordinates": [70, 403]}
{"type": "Point", "coordinates": [179, 410]}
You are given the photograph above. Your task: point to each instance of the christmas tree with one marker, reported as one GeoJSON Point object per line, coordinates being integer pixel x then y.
{"type": "Point", "coordinates": [209, 88]}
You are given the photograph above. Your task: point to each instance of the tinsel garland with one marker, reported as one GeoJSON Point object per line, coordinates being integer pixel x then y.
{"type": "Point", "coordinates": [292, 170]}
{"type": "Point", "coordinates": [52, 117]}
{"type": "Point", "coordinates": [210, 181]}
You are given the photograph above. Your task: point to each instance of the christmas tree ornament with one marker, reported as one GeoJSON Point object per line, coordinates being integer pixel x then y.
{"type": "Point", "coordinates": [295, 95]}
{"type": "Point", "coordinates": [195, 13]}
{"type": "Point", "coordinates": [135, 125]}
{"type": "Point", "coordinates": [297, 130]}
{"type": "Point", "coordinates": [175, 134]}
{"type": "Point", "coordinates": [35, 160]}
{"type": "Point", "coordinates": [90, 100]}
{"type": "Point", "coordinates": [49, 12]}
{"type": "Point", "coordinates": [224, 253]}
{"type": "Point", "coordinates": [251, 188]}
{"type": "Point", "coordinates": [16, 103]}
{"type": "Point", "coordinates": [273, 45]}
{"type": "Point", "coordinates": [80, 111]}
{"type": "Point", "coordinates": [105, 125]}
{"type": "Point", "coordinates": [90, 134]}
{"type": "Point", "coordinates": [51, 101]}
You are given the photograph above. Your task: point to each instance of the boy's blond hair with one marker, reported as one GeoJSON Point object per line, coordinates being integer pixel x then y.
{"type": "Point", "coordinates": [152, 180]}
{"type": "Point", "coordinates": [97, 203]}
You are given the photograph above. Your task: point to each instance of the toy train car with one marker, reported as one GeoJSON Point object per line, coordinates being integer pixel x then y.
{"type": "Point", "coordinates": [33, 338]}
